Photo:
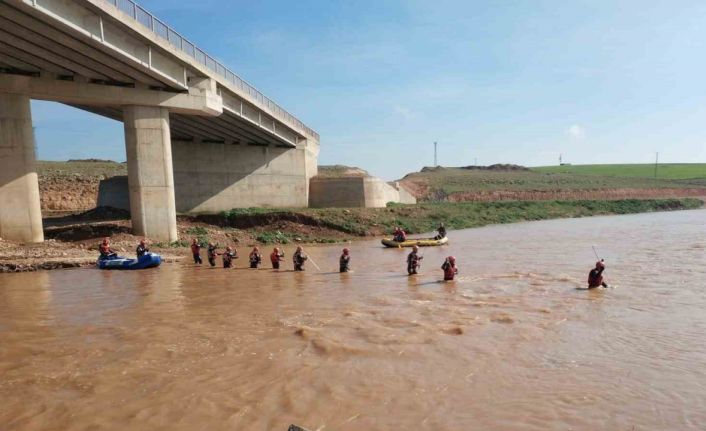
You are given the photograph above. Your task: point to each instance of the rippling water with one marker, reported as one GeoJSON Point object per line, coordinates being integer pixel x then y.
{"type": "Point", "coordinates": [512, 344]}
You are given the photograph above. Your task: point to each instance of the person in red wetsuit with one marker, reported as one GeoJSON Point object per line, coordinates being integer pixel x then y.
{"type": "Point", "coordinates": [449, 267]}
{"type": "Point", "coordinates": [595, 277]}
{"type": "Point", "coordinates": [196, 251]}
{"type": "Point", "coordinates": [276, 257]}
{"type": "Point", "coordinates": [105, 251]}
{"type": "Point", "coordinates": [399, 234]}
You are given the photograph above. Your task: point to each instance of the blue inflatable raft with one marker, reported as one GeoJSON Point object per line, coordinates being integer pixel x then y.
{"type": "Point", "coordinates": [149, 260]}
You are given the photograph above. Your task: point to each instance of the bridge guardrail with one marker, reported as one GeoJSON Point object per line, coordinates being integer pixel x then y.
{"type": "Point", "coordinates": [179, 42]}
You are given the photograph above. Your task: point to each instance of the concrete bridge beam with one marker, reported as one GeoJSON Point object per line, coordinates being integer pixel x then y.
{"type": "Point", "coordinates": [150, 173]}
{"type": "Point", "coordinates": [200, 101]}
{"type": "Point", "coordinates": [20, 210]}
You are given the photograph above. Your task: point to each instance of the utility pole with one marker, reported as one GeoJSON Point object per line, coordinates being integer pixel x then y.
{"type": "Point", "coordinates": [559, 159]}
{"type": "Point", "coordinates": [435, 161]}
{"type": "Point", "coordinates": [656, 163]}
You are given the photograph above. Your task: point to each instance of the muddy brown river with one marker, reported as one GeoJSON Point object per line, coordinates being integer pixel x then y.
{"type": "Point", "coordinates": [511, 345]}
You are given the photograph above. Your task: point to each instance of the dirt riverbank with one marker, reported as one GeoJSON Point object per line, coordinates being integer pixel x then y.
{"type": "Point", "coordinates": [72, 240]}
{"type": "Point", "coordinates": [73, 185]}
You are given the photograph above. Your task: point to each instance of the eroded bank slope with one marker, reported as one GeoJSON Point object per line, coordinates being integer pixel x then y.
{"type": "Point", "coordinates": [72, 240]}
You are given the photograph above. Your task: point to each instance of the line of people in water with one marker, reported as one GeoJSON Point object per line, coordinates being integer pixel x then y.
{"type": "Point", "coordinates": [299, 259]}
{"type": "Point", "coordinates": [255, 256]}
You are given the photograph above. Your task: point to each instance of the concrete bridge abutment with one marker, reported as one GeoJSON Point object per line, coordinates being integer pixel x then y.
{"type": "Point", "coordinates": [233, 146]}
{"type": "Point", "coordinates": [150, 174]}
{"type": "Point", "coordinates": [20, 210]}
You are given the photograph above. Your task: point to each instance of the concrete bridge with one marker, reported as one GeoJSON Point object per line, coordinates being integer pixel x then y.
{"type": "Point", "coordinates": [198, 138]}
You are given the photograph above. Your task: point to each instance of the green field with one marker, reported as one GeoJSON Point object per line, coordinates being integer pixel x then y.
{"type": "Point", "coordinates": [669, 171]}
{"type": "Point", "coordinates": [436, 183]}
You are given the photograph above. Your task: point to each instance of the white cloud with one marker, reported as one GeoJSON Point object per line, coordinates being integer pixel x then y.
{"type": "Point", "coordinates": [576, 131]}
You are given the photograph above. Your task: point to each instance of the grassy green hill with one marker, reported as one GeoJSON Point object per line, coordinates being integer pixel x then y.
{"type": "Point", "coordinates": [471, 183]}
{"type": "Point", "coordinates": [670, 171]}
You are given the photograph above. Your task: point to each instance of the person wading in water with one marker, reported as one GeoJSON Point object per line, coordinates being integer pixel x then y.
{"type": "Point", "coordinates": [298, 258]}
{"type": "Point", "coordinates": [228, 257]}
{"type": "Point", "coordinates": [595, 277]}
{"type": "Point", "coordinates": [211, 253]}
{"type": "Point", "coordinates": [414, 261]}
{"type": "Point", "coordinates": [255, 258]}
{"type": "Point", "coordinates": [276, 257]}
{"type": "Point", "coordinates": [449, 267]}
{"type": "Point", "coordinates": [196, 251]}
{"type": "Point", "coordinates": [345, 261]}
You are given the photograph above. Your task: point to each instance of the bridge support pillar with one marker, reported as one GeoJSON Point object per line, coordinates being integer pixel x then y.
{"type": "Point", "coordinates": [20, 210]}
{"type": "Point", "coordinates": [150, 173]}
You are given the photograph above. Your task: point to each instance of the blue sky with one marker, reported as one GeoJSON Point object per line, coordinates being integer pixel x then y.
{"type": "Point", "coordinates": [500, 82]}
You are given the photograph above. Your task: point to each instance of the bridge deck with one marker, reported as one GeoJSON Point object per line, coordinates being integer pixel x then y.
{"type": "Point", "coordinates": [118, 43]}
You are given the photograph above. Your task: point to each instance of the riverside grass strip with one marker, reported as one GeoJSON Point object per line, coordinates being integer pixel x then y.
{"type": "Point", "coordinates": [425, 217]}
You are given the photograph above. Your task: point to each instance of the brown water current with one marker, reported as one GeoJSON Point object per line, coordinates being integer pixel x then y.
{"type": "Point", "coordinates": [511, 345]}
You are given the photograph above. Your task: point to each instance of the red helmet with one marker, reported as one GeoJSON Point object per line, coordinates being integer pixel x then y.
{"type": "Point", "coordinates": [451, 259]}
{"type": "Point", "coordinates": [346, 251]}
{"type": "Point", "coordinates": [600, 264]}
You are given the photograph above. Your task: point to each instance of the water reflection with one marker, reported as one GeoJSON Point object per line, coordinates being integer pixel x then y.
{"type": "Point", "coordinates": [163, 290]}
{"type": "Point", "coordinates": [28, 293]}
